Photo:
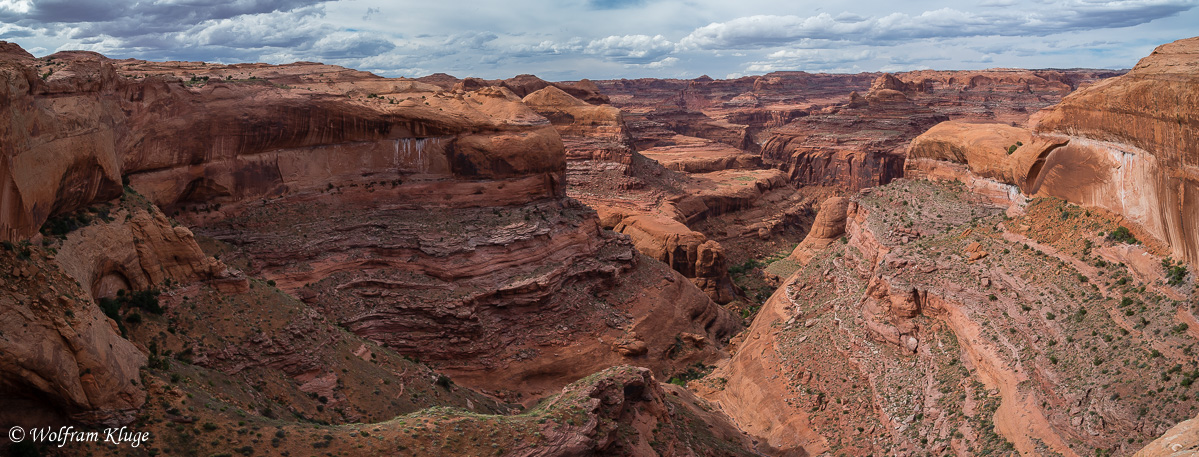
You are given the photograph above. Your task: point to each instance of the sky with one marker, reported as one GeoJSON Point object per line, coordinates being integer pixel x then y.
{"type": "Point", "coordinates": [609, 39]}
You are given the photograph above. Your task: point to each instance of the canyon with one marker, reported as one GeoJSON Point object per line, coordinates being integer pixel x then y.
{"type": "Point", "coordinates": [305, 258]}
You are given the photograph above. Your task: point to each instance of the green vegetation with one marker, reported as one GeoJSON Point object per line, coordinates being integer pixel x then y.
{"type": "Point", "coordinates": [744, 267]}
{"type": "Point", "coordinates": [1122, 235]}
{"type": "Point", "coordinates": [64, 224]}
{"type": "Point", "coordinates": [693, 372]}
{"type": "Point", "coordinates": [1176, 271]}
{"type": "Point", "coordinates": [146, 300]}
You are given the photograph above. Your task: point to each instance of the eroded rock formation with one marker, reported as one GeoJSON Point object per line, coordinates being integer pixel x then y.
{"type": "Point", "coordinates": [827, 228]}
{"type": "Point", "coordinates": [1124, 144]}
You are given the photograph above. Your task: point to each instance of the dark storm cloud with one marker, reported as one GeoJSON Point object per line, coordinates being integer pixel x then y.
{"type": "Point", "coordinates": [162, 11]}
{"type": "Point", "coordinates": [128, 18]}
{"type": "Point", "coordinates": [75, 11]}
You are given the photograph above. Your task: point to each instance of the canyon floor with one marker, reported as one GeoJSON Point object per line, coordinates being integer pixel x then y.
{"type": "Point", "coordinates": [306, 259]}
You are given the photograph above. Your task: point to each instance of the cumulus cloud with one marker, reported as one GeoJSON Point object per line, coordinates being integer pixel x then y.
{"type": "Point", "coordinates": [666, 62]}
{"type": "Point", "coordinates": [810, 60]}
{"type": "Point", "coordinates": [471, 40]}
{"type": "Point", "coordinates": [631, 48]}
{"type": "Point", "coordinates": [763, 30]}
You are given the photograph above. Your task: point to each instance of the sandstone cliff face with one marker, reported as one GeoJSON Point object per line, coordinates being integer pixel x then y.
{"type": "Point", "coordinates": [827, 228]}
{"type": "Point", "coordinates": [834, 138]}
{"type": "Point", "coordinates": [687, 251]}
{"type": "Point", "coordinates": [997, 95]}
{"type": "Point", "coordinates": [1143, 127]}
{"type": "Point", "coordinates": [138, 248]}
{"type": "Point", "coordinates": [507, 298]}
{"type": "Point", "coordinates": [61, 359]}
{"type": "Point", "coordinates": [1123, 144]}
{"type": "Point", "coordinates": [308, 127]}
{"type": "Point", "coordinates": [588, 132]}
{"type": "Point", "coordinates": [858, 145]}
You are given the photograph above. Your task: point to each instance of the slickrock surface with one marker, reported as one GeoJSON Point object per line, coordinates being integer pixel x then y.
{"type": "Point", "coordinates": [588, 131]}
{"type": "Point", "coordinates": [1180, 441]}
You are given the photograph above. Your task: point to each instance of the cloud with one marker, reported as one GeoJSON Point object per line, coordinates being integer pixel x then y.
{"type": "Point", "coordinates": [809, 60]}
{"type": "Point", "coordinates": [613, 4]}
{"type": "Point", "coordinates": [14, 7]}
{"type": "Point", "coordinates": [472, 40]}
{"type": "Point", "coordinates": [756, 31]}
{"type": "Point", "coordinates": [606, 38]}
{"type": "Point", "coordinates": [666, 62]}
{"type": "Point", "coordinates": [768, 30]}
{"type": "Point", "coordinates": [291, 29]}
{"type": "Point", "coordinates": [635, 49]}
{"type": "Point", "coordinates": [348, 45]}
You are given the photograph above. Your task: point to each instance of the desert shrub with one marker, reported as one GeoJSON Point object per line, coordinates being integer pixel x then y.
{"type": "Point", "coordinates": [1176, 272]}
{"type": "Point", "coordinates": [1122, 235]}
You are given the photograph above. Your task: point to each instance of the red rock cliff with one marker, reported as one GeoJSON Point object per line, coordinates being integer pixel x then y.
{"type": "Point", "coordinates": [1125, 144]}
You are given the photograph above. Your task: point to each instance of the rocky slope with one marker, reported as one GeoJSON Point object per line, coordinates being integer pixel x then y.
{"type": "Point", "coordinates": [618, 411]}
{"type": "Point", "coordinates": [925, 301]}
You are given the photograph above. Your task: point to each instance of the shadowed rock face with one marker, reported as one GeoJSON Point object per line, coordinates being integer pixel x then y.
{"type": "Point", "coordinates": [61, 359]}
{"type": "Point", "coordinates": [857, 145]}
{"type": "Point", "coordinates": [827, 228]}
{"type": "Point", "coordinates": [1125, 144]}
